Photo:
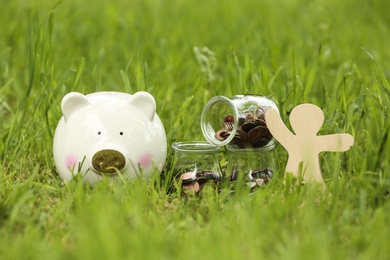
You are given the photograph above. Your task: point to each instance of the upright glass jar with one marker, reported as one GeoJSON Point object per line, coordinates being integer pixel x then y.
{"type": "Point", "coordinates": [253, 166]}
{"type": "Point", "coordinates": [239, 123]}
{"type": "Point", "coordinates": [196, 164]}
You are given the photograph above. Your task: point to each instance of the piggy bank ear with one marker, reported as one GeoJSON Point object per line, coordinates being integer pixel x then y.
{"type": "Point", "coordinates": [144, 102]}
{"type": "Point", "coordinates": [72, 102]}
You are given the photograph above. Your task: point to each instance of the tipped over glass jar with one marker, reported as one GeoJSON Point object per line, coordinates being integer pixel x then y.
{"type": "Point", "coordinates": [239, 123]}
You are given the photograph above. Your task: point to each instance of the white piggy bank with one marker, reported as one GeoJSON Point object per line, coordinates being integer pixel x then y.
{"type": "Point", "coordinates": [109, 133]}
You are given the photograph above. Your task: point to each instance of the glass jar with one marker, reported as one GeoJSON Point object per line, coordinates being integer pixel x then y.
{"type": "Point", "coordinates": [253, 166]}
{"type": "Point", "coordinates": [238, 121]}
{"type": "Point", "coordinates": [196, 164]}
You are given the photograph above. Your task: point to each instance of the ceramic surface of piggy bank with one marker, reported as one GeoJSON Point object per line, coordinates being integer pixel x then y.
{"type": "Point", "coordinates": [109, 133]}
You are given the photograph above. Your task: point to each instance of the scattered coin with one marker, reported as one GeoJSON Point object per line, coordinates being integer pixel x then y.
{"type": "Point", "coordinates": [251, 184]}
{"type": "Point", "coordinates": [193, 181]}
{"type": "Point", "coordinates": [260, 182]}
{"type": "Point", "coordinates": [264, 174]}
{"type": "Point", "coordinates": [188, 176]}
{"type": "Point", "coordinates": [228, 122]}
{"type": "Point", "coordinates": [258, 177]}
{"type": "Point", "coordinates": [193, 186]}
{"type": "Point", "coordinates": [247, 126]}
{"type": "Point", "coordinates": [222, 134]}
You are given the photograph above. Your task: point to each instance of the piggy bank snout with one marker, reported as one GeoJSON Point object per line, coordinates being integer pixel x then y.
{"type": "Point", "coordinates": [108, 162]}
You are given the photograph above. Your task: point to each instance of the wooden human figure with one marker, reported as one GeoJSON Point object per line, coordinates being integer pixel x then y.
{"type": "Point", "coordinates": [304, 146]}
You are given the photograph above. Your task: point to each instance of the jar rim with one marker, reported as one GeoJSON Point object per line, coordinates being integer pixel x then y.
{"type": "Point", "coordinates": [195, 146]}
{"type": "Point", "coordinates": [208, 132]}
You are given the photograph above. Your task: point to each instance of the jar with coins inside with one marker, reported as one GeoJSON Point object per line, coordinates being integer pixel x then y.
{"type": "Point", "coordinates": [239, 124]}
{"type": "Point", "coordinates": [196, 165]}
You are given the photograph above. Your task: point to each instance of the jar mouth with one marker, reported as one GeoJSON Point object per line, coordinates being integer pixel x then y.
{"type": "Point", "coordinates": [212, 113]}
{"type": "Point", "coordinates": [195, 146]}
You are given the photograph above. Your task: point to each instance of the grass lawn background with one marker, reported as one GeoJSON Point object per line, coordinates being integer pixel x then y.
{"type": "Point", "coordinates": [334, 54]}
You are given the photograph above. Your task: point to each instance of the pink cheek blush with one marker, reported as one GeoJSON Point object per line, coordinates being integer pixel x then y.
{"type": "Point", "coordinates": [70, 160]}
{"type": "Point", "coordinates": [145, 160]}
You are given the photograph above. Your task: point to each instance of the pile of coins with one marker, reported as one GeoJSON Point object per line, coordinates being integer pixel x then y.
{"type": "Point", "coordinates": [195, 180]}
{"type": "Point", "coordinates": [252, 129]}
{"type": "Point", "coordinates": [258, 178]}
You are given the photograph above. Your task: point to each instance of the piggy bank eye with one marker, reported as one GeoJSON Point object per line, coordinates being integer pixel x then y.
{"type": "Point", "coordinates": [121, 133]}
{"type": "Point", "coordinates": [99, 133]}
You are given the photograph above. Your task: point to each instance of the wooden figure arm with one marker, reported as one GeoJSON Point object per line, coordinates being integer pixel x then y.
{"type": "Point", "coordinates": [277, 127]}
{"type": "Point", "coordinates": [335, 142]}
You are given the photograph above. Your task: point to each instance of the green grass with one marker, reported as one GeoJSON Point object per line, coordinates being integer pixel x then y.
{"type": "Point", "coordinates": [334, 54]}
